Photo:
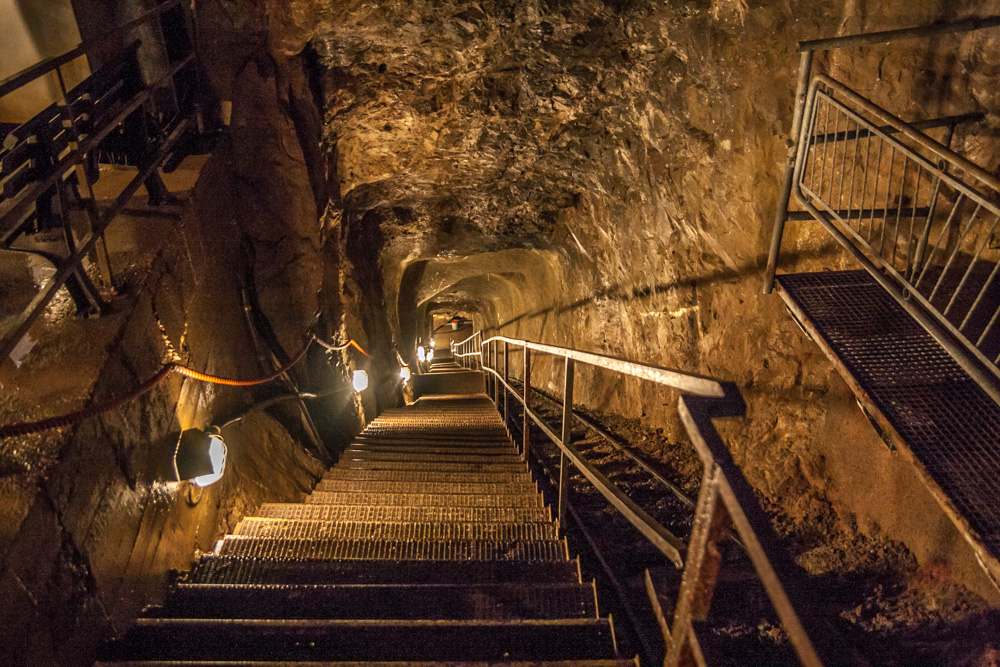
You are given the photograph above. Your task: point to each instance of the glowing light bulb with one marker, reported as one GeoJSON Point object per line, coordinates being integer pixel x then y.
{"type": "Point", "coordinates": [217, 454]}
{"type": "Point", "coordinates": [432, 342]}
{"type": "Point", "coordinates": [430, 354]}
{"type": "Point", "coordinates": [404, 373]}
{"type": "Point", "coordinates": [360, 381]}
{"type": "Point", "coordinates": [421, 354]}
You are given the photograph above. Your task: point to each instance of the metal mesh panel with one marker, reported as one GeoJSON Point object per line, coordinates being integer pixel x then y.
{"type": "Point", "coordinates": [944, 418]}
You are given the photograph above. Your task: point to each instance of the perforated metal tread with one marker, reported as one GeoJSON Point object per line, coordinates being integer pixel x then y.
{"type": "Point", "coordinates": [423, 499]}
{"type": "Point", "coordinates": [434, 466]}
{"type": "Point", "coordinates": [432, 477]}
{"type": "Point", "coordinates": [431, 549]}
{"type": "Point", "coordinates": [229, 570]}
{"type": "Point", "coordinates": [368, 663]}
{"type": "Point", "coordinates": [398, 601]}
{"type": "Point", "coordinates": [422, 550]}
{"type": "Point", "coordinates": [430, 457]}
{"type": "Point", "coordinates": [362, 513]}
{"type": "Point", "coordinates": [354, 486]}
{"type": "Point", "coordinates": [949, 424]}
{"type": "Point", "coordinates": [367, 639]}
{"type": "Point", "coordinates": [396, 530]}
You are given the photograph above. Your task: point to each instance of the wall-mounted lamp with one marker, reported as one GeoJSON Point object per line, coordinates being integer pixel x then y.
{"type": "Point", "coordinates": [430, 355]}
{"type": "Point", "coordinates": [404, 374]}
{"type": "Point", "coordinates": [421, 354]}
{"type": "Point", "coordinates": [200, 456]}
{"type": "Point", "coordinates": [432, 342]}
{"type": "Point", "coordinates": [360, 381]}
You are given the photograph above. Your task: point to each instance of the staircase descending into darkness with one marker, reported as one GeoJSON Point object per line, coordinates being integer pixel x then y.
{"type": "Point", "coordinates": [428, 543]}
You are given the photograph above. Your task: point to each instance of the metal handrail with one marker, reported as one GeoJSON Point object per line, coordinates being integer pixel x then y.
{"type": "Point", "coordinates": [82, 144]}
{"type": "Point", "coordinates": [702, 400]}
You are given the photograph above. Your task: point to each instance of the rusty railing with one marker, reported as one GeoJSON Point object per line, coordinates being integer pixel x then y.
{"type": "Point", "coordinates": [724, 494]}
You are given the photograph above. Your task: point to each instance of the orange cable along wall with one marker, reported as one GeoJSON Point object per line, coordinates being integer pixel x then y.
{"type": "Point", "coordinates": [73, 418]}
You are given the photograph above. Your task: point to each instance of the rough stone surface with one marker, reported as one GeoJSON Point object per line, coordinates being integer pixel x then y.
{"type": "Point", "coordinates": [604, 175]}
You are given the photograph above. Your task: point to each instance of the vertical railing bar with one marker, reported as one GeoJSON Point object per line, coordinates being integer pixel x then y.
{"type": "Point", "coordinates": [826, 144]}
{"type": "Point", "coordinates": [937, 244]}
{"type": "Point", "coordinates": [899, 210]}
{"type": "Point", "coordinates": [878, 173]}
{"type": "Point", "coordinates": [993, 320]}
{"type": "Point", "coordinates": [506, 379]}
{"type": "Point", "coordinates": [975, 304]}
{"type": "Point", "coordinates": [888, 191]}
{"type": "Point", "coordinates": [910, 241]}
{"type": "Point", "coordinates": [954, 253]}
{"type": "Point", "coordinates": [968, 273]}
{"type": "Point", "coordinates": [526, 427]}
{"type": "Point", "coordinates": [833, 158]}
{"type": "Point", "coordinates": [843, 164]}
{"type": "Point", "coordinates": [932, 206]}
{"type": "Point", "coordinates": [567, 431]}
{"type": "Point", "coordinates": [814, 145]}
{"type": "Point", "coordinates": [864, 175]}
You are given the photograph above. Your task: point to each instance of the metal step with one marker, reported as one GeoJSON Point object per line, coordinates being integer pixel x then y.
{"type": "Point", "coordinates": [353, 486]}
{"type": "Point", "coordinates": [368, 514]}
{"type": "Point", "coordinates": [368, 663]}
{"type": "Point", "coordinates": [431, 457]}
{"type": "Point", "coordinates": [396, 530]}
{"type": "Point", "coordinates": [398, 601]}
{"type": "Point", "coordinates": [423, 499]}
{"type": "Point", "coordinates": [431, 447]}
{"type": "Point", "coordinates": [422, 550]}
{"type": "Point", "coordinates": [431, 466]}
{"type": "Point", "coordinates": [227, 570]}
{"type": "Point", "coordinates": [257, 639]}
{"type": "Point", "coordinates": [431, 477]}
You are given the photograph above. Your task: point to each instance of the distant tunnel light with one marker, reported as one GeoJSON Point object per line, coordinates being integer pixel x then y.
{"type": "Point", "coordinates": [430, 355]}
{"type": "Point", "coordinates": [404, 374]}
{"type": "Point", "coordinates": [200, 457]}
{"type": "Point", "coordinates": [432, 342]}
{"type": "Point", "coordinates": [360, 381]}
{"type": "Point", "coordinates": [421, 354]}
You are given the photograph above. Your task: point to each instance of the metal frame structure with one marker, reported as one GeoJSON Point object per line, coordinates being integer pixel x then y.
{"type": "Point", "coordinates": [921, 219]}
{"type": "Point", "coordinates": [81, 119]}
{"type": "Point", "coordinates": [725, 493]}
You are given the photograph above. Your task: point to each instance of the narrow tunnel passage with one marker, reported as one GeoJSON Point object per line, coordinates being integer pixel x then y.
{"type": "Point", "coordinates": [218, 186]}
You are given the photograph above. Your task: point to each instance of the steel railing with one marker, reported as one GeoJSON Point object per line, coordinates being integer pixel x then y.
{"type": "Point", "coordinates": [39, 158]}
{"type": "Point", "coordinates": [725, 492]}
{"type": "Point", "coordinates": [921, 219]}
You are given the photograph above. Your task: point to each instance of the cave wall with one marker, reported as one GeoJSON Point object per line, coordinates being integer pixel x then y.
{"type": "Point", "coordinates": [92, 521]}
{"type": "Point", "coordinates": [641, 145]}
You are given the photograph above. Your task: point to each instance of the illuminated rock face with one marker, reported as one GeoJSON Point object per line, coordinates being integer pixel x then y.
{"type": "Point", "coordinates": [604, 175]}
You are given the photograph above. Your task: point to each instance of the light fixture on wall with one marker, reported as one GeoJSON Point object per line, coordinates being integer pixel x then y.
{"type": "Point", "coordinates": [360, 381]}
{"type": "Point", "coordinates": [200, 456]}
{"type": "Point", "coordinates": [421, 354]}
{"type": "Point", "coordinates": [404, 374]}
{"type": "Point", "coordinates": [430, 355]}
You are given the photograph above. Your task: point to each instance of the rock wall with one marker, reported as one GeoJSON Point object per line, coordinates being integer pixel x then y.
{"type": "Point", "coordinates": [632, 153]}
{"type": "Point", "coordinates": [92, 521]}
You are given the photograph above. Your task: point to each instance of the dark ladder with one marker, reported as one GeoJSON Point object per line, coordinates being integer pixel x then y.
{"type": "Point", "coordinates": [427, 543]}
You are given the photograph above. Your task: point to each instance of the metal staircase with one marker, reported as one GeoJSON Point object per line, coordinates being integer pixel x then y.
{"type": "Point", "coordinates": [427, 543]}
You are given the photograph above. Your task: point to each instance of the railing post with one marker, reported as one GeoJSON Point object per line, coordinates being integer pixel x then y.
{"type": "Point", "coordinates": [506, 379]}
{"type": "Point", "coordinates": [526, 427]}
{"type": "Point", "coordinates": [496, 374]}
{"type": "Point", "coordinates": [567, 429]}
{"type": "Point", "coordinates": [701, 569]}
{"type": "Point", "coordinates": [805, 67]}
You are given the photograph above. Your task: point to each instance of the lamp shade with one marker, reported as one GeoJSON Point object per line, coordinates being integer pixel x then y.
{"type": "Point", "coordinates": [200, 457]}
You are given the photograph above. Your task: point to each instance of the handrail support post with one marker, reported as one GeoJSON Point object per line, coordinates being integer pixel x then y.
{"type": "Point", "coordinates": [526, 426]}
{"type": "Point", "coordinates": [567, 430]}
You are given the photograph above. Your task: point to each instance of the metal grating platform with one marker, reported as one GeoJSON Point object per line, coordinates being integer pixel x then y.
{"type": "Point", "coordinates": [948, 423]}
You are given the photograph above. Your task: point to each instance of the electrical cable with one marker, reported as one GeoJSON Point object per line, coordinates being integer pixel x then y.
{"type": "Point", "coordinates": [74, 418]}
{"type": "Point", "coordinates": [338, 348]}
